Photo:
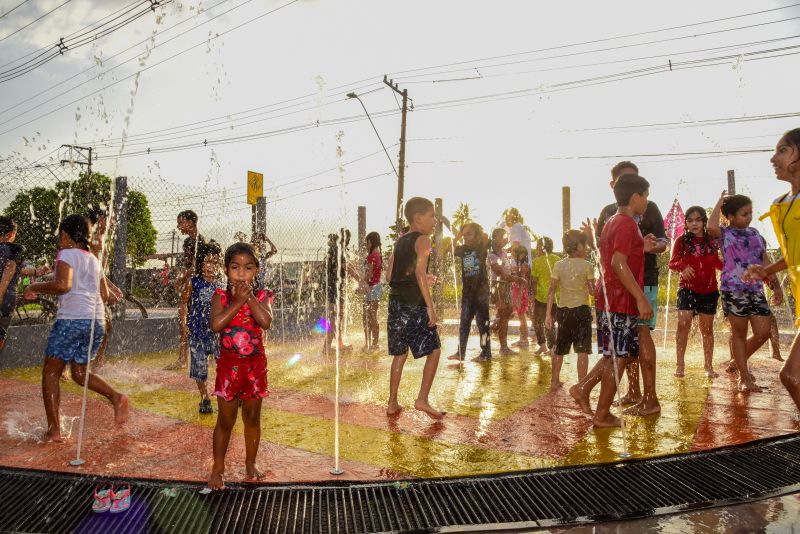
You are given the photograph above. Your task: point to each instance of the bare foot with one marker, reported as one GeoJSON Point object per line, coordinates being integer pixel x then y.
{"type": "Point", "coordinates": [53, 437]}
{"type": "Point", "coordinates": [679, 372]}
{"type": "Point", "coordinates": [750, 387]}
{"type": "Point", "coordinates": [393, 409]}
{"type": "Point", "coordinates": [627, 399]}
{"type": "Point", "coordinates": [582, 398]}
{"type": "Point", "coordinates": [121, 409]}
{"type": "Point", "coordinates": [456, 357]}
{"type": "Point", "coordinates": [557, 385]}
{"type": "Point", "coordinates": [216, 481]}
{"type": "Point", "coordinates": [711, 373]}
{"type": "Point", "coordinates": [643, 409]}
{"type": "Point", "coordinates": [482, 359]}
{"type": "Point", "coordinates": [253, 473]}
{"type": "Point", "coordinates": [505, 351]}
{"type": "Point", "coordinates": [607, 422]}
{"type": "Point", "coordinates": [730, 366]}
{"type": "Point", "coordinates": [777, 356]}
{"type": "Point", "coordinates": [174, 366]}
{"type": "Point", "coordinates": [432, 412]}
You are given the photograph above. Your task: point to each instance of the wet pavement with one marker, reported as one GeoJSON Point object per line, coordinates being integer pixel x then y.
{"type": "Point", "coordinates": [501, 417]}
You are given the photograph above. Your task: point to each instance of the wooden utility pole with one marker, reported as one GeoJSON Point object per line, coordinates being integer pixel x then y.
{"type": "Point", "coordinates": [566, 214]}
{"type": "Point", "coordinates": [402, 170]}
{"type": "Point", "coordinates": [731, 182]}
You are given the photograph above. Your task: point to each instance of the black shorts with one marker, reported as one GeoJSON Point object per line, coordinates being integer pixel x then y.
{"type": "Point", "coordinates": [574, 330]}
{"type": "Point", "coordinates": [745, 304]}
{"type": "Point", "coordinates": [408, 330]}
{"type": "Point", "coordinates": [696, 303]}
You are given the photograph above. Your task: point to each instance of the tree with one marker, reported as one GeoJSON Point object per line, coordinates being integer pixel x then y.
{"type": "Point", "coordinates": [36, 212]}
{"type": "Point", "coordinates": [141, 233]}
{"type": "Point", "coordinates": [85, 193]}
{"type": "Point", "coordinates": [461, 216]}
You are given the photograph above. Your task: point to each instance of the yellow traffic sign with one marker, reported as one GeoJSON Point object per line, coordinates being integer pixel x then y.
{"type": "Point", "coordinates": [255, 186]}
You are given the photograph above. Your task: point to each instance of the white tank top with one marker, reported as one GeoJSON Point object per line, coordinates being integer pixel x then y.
{"type": "Point", "coordinates": [83, 301]}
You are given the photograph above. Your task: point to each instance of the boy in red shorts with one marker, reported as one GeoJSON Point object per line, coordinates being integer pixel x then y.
{"type": "Point", "coordinates": [620, 298]}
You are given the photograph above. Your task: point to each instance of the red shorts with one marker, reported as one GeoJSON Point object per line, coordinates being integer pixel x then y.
{"type": "Point", "coordinates": [241, 377]}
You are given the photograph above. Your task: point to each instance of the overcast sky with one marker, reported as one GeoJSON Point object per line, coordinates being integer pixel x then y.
{"type": "Point", "coordinates": [518, 145]}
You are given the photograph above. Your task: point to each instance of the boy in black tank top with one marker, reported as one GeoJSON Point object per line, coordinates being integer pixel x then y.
{"type": "Point", "coordinates": [412, 318]}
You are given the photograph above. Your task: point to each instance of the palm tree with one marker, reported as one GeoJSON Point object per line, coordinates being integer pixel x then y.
{"type": "Point", "coordinates": [461, 216]}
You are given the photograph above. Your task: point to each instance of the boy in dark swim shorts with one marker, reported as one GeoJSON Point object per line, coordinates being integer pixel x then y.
{"type": "Point", "coordinates": [412, 318]}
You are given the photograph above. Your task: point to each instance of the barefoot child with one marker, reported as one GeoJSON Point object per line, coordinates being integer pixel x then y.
{"type": "Point", "coordinates": [743, 301]}
{"type": "Point", "coordinates": [474, 290]}
{"type": "Point", "coordinates": [11, 258]}
{"type": "Point", "coordinates": [412, 317]}
{"type": "Point", "coordinates": [696, 257]}
{"type": "Point", "coordinates": [574, 276]}
{"type": "Point", "coordinates": [541, 271]}
{"type": "Point", "coordinates": [502, 278]}
{"type": "Point", "coordinates": [373, 290]}
{"type": "Point", "coordinates": [81, 289]}
{"type": "Point", "coordinates": [622, 249]}
{"type": "Point", "coordinates": [197, 298]}
{"type": "Point", "coordinates": [238, 314]}
{"type": "Point", "coordinates": [784, 214]}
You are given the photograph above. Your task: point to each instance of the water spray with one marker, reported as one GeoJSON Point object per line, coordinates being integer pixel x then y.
{"type": "Point", "coordinates": [596, 255]}
{"type": "Point", "coordinates": [338, 340]}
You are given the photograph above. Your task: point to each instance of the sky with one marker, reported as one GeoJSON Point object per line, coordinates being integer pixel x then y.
{"type": "Point", "coordinates": [509, 106]}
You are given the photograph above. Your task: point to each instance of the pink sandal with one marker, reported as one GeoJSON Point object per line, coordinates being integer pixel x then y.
{"type": "Point", "coordinates": [102, 497]}
{"type": "Point", "coordinates": [121, 498]}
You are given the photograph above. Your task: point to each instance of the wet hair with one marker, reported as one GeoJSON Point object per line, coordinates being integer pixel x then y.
{"type": "Point", "coordinates": [416, 206]}
{"type": "Point", "coordinates": [520, 253]}
{"type": "Point", "coordinates": [7, 225]}
{"type": "Point", "coordinates": [205, 249]}
{"type": "Point", "coordinates": [514, 214]}
{"type": "Point", "coordinates": [475, 227]}
{"type": "Point", "coordinates": [374, 240]}
{"type": "Point", "coordinates": [792, 138]}
{"type": "Point", "coordinates": [239, 248]}
{"type": "Point", "coordinates": [617, 169]}
{"type": "Point", "coordinates": [546, 243]}
{"type": "Point", "coordinates": [733, 204]}
{"type": "Point", "coordinates": [188, 215]}
{"type": "Point", "coordinates": [707, 245]}
{"type": "Point", "coordinates": [95, 214]}
{"type": "Point", "coordinates": [628, 185]}
{"type": "Point", "coordinates": [77, 228]}
{"type": "Point", "coordinates": [572, 240]}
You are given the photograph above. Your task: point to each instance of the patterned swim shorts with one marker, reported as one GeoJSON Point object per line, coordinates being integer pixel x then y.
{"type": "Point", "coordinates": [200, 350]}
{"type": "Point", "coordinates": [70, 339]}
{"type": "Point", "coordinates": [745, 304]}
{"type": "Point", "coordinates": [408, 330]}
{"type": "Point", "coordinates": [242, 377]}
{"type": "Point", "coordinates": [625, 332]}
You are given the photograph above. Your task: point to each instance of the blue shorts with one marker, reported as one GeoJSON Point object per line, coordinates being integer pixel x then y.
{"type": "Point", "coordinates": [70, 339]}
{"type": "Point", "coordinates": [408, 329]}
{"type": "Point", "coordinates": [200, 350]}
{"type": "Point", "coordinates": [625, 334]}
{"type": "Point", "coordinates": [651, 292]}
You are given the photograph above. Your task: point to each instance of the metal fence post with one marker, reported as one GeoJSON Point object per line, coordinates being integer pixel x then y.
{"type": "Point", "coordinates": [119, 271]}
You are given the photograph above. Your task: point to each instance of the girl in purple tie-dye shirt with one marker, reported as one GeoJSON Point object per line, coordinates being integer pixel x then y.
{"type": "Point", "coordinates": [743, 301]}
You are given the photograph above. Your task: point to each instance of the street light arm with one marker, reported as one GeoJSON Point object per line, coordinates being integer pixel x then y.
{"type": "Point", "coordinates": [391, 162]}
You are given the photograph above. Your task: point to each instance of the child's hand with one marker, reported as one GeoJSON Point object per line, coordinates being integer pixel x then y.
{"type": "Point", "coordinates": [432, 319]}
{"type": "Point", "coordinates": [28, 294]}
{"type": "Point", "coordinates": [777, 298]}
{"type": "Point", "coordinates": [241, 292]}
{"type": "Point", "coordinates": [432, 279]}
{"type": "Point", "coordinates": [650, 242]}
{"type": "Point", "coordinates": [754, 272]}
{"type": "Point", "coordinates": [645, 308]}
{"type": "Point", "coordinates": [548, 321]}
{"type": "Point", "coordinates": [589, 228]}
{"type": "Point", "coordinates": [722, 197]}
{"type": "Point", "coordinates": [687, 273]}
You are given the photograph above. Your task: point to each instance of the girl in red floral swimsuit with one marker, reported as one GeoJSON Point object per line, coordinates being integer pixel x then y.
{"type": "Point", "coordinates": [238, 314]}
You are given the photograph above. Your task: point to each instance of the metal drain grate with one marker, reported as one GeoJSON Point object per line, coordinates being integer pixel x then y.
{"type": "Point", "coordinates": [36, 501]}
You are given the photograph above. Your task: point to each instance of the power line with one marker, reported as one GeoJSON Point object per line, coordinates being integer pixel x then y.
{"type": "Point", "coordinates": [202, 43]}
{"type": "Point", "coordinates": [35, 20]}
{"type": "Point", "coordinates": [13, 8]}
{"type": "Point", "coordinates": [82, 39]}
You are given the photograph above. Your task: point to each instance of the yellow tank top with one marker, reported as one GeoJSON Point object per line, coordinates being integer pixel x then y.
{"type": "Point", "coordinates": [785, 216]}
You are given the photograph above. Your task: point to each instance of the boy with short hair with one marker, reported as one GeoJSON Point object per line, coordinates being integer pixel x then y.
{"type": "Point", "coordinates": [11, 258]}
{"type": "Point", "coordinates": [412, 317]}
{"type": "Point", "coordinates": [620, 301]}
{"type": "Point", "coordinates": [474, 290]}
{"type": "Point", "coordinates": [574, 276]}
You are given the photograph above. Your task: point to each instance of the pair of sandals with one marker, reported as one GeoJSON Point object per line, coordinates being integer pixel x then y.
{"type": "Point", "coordinates": [109, 498]}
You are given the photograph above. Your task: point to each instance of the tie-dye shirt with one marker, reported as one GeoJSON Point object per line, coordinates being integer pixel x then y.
{"type": "Point", "coordinates": [740, 247]}
{"type": "Point", "coordinates": [242, 336]}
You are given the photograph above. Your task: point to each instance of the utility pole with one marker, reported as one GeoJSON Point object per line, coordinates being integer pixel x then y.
{"type": "Point", "coordinates": [84, 156]}
{"type": "Point", "coordinates": [731, 182]}
{"type": "Point", "coordinates": [402, 170]}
